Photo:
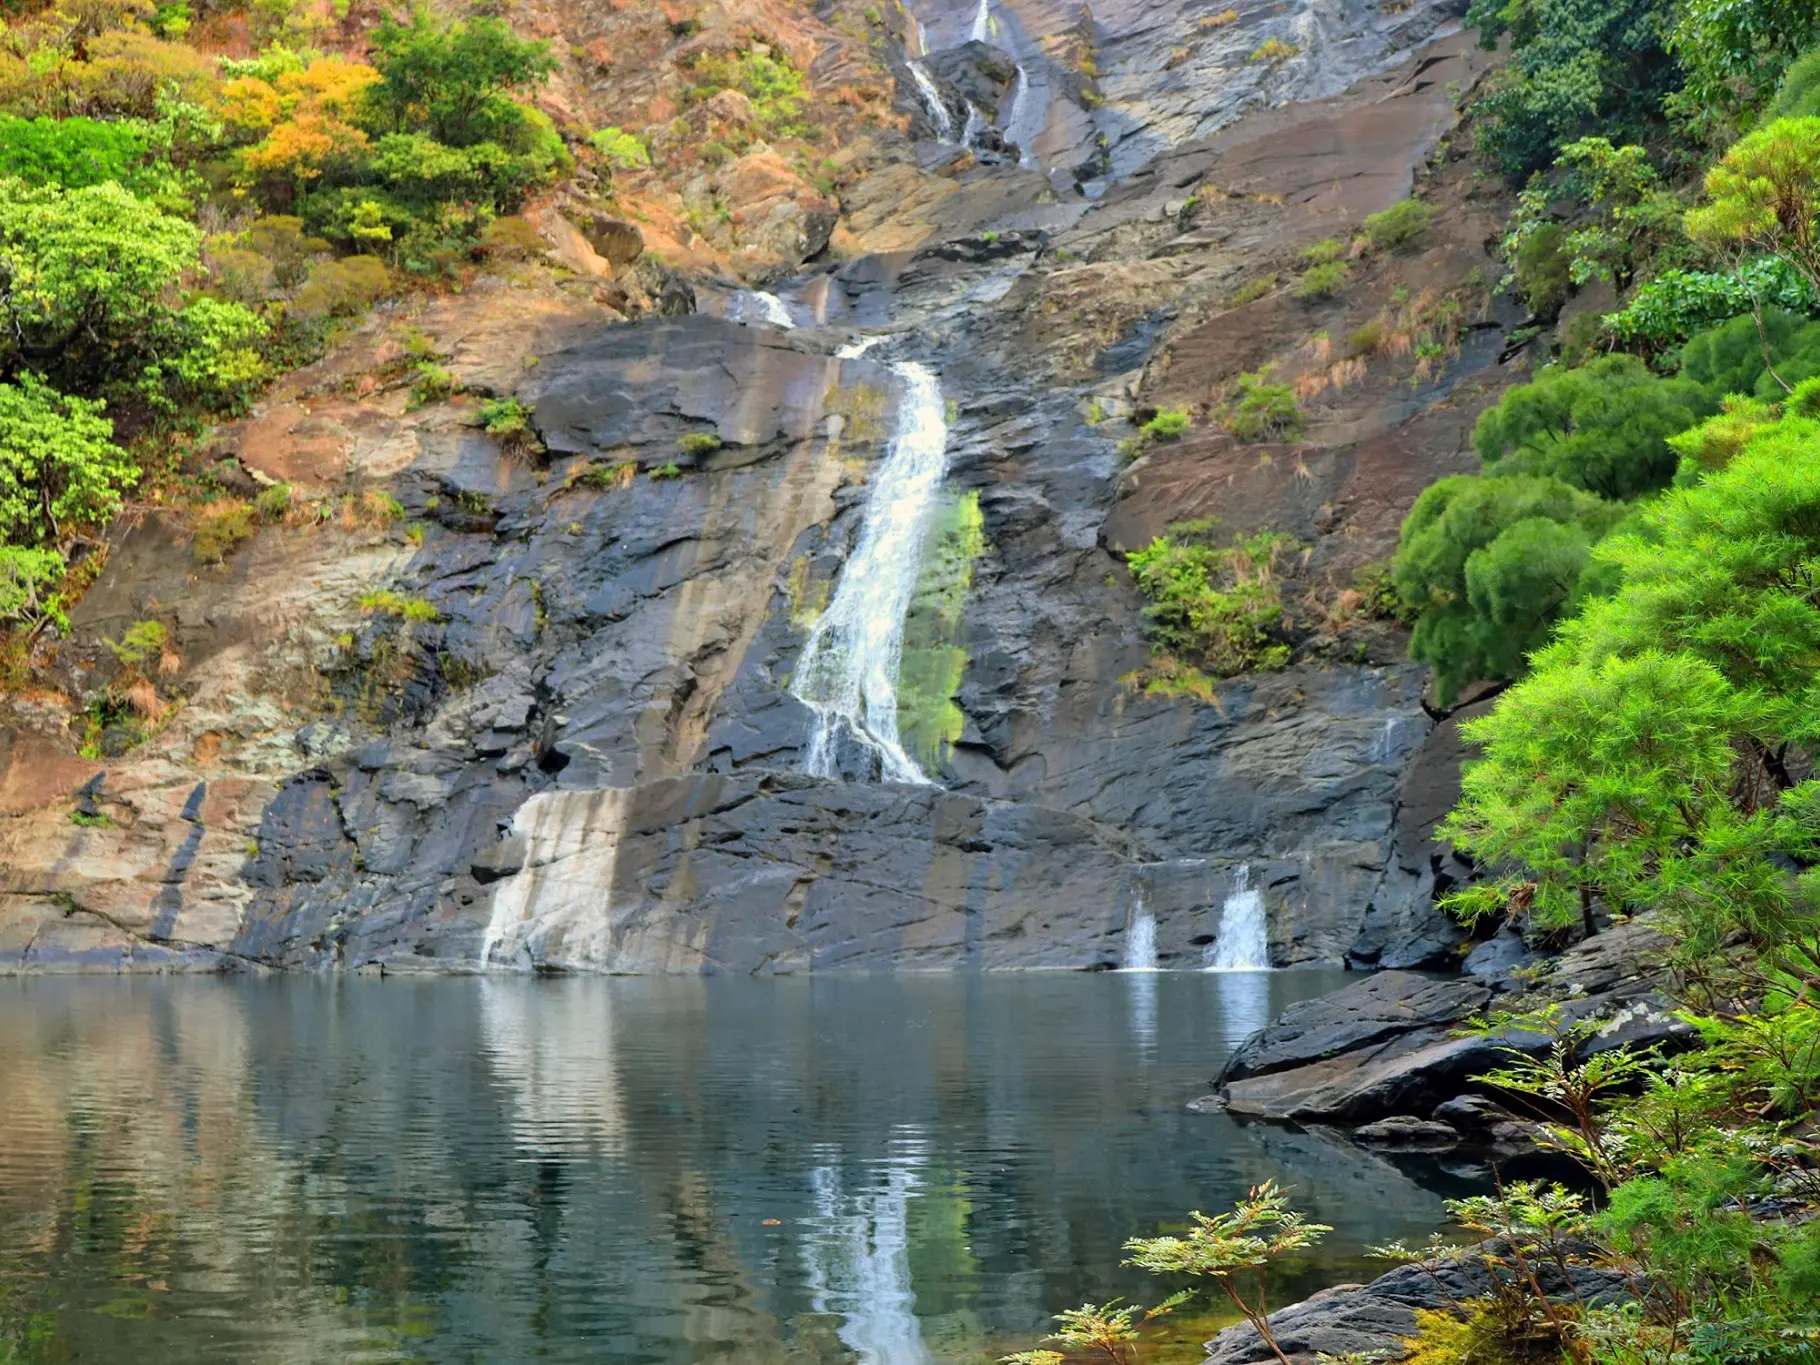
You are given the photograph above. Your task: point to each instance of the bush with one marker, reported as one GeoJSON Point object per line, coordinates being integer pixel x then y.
{"type": "Point", "coordinates": [1321, 282]}
{"type": "Point", "coordinates": [1603, 428]}
{"type": "Point", "coordinates": [273, 503]}
{"type": "Point", "coordinates": [1671, 307]}
{"type": "Point", "coordinates": [1324, 252]}
{"type": "Point", "coordinates": [1168, 425]}
{"type": "Point", "coordinates": [1253, 290]}
{"type": "Point", "coordinates": [385, 602]}
{"type": "Point", "coordinates": [1262, 411]}
{"type": "Point", "coordinates": [1273, 51]}
{"type": "Point", "coordinates": [620, 150]}
{"type": "Point", "coordinates": [221, 527]}
{"type": "Point", "coordinates": [1402, 224]}
{"type": "Point", "coordinates": [28, 582]}
{"type": "Point", "coordinates": [453, 81]}
{"type": "Point", "coordinates": [1219, 605]}
{"type": "Point", "coordinates": [695, 444]}
{"type": "Point", "coordinates": [59, 467]}
{"type": "Point", "coordinates": [72, 153]}
{"type": "Point", "coordinates": [342, 288]}
{"type": "Point", "coordinates": [1486, 566]}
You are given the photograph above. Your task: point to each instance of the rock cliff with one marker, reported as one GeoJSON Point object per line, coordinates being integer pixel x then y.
{"type": "Point", "coordinates": [581, 747]}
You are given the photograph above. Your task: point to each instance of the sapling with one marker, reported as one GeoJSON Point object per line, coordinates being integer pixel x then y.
{"type": "Point", "coordinates": [1260, 1229]}
{"type": "Point", "coordinates": [1105, 1329]}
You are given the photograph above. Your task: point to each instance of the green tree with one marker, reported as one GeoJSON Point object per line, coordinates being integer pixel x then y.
{"type": "Point", "coordinates": [1485, 577]}
{"type": "Point", "coordinates": [1647, 759]}
{"type": "Point", "coordinates": [1577, 67]}
{"type": "Point", "coordinates": [1735, 51]}
{"type": "Point", "coordinates": [1603, 427]}
{"type": "Point", "coordinates": [59, 466]}
{"type": "Point", "coordinates": [1765, 199]}
{"type": "Point", "coordinates": [71, 152]}
{"type": "Point", "coordinates": [454, 81]}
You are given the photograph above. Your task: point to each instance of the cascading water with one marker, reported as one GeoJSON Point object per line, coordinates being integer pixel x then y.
{"type": "Point", "coordinates": [1014, 126]}
{"type": "Point", "coordinates": [1140, 938]}
{"type": "Point", "coordinates": [932, 100]}
{"type": "Point", "coordinates": [857, 1259]}
{"type": "Point", "coordinates": [1243, 943]}
{"type": "Point", "coordinates": [982, 23]}
{"type": "Point", "coordinates": [754, 305]}
{"type": "Point", "coordinates": [847, 673]}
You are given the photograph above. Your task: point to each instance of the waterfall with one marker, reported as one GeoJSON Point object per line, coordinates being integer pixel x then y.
{"type": "Point", "coordinates": [1140, 938]}
{"type": "Point", "coordinates": [932, 100]}
{"type": "Point", "coordinates": [847, 673]}
{"type": "Point", "coordinates": [857, 1258]}
{"type": "Point", "coordinates": [1013, 122]}
{"type": "Point", "coordinates": [1244, 939]}
{"type": "Point", "coordinates": [976, 122]}
{"type": "Point", "coordinates": [754, 305]}
{"type": "Point", "coordinates": [982, 23]}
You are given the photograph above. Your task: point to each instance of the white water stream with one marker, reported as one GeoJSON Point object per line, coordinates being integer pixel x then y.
{"type": "Point", "coordinates": [754, 305]}
{"type": "Point", "coordinates": [1140, 938]}
{"type": "Point", "coordinates": [982, 23]}
{"type": "Point", "coordinates": [932, 100]}
{"type": "Point", "coordinates": [847, 673]}
{"type": "Point", "coordinates": [1243, 943]}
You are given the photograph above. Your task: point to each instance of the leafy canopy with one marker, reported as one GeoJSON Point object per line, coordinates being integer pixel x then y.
{"type": "Point", "coordinates": [454, 81]}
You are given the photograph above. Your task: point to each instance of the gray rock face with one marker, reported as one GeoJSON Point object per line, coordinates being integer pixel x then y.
{"type": "Point", "coordinates": [1381, 1315]}
{"type": "Point", "coordinates": [1392, 1046]}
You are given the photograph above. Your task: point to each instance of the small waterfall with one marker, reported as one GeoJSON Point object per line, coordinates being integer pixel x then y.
{"type": "Point", "coordinates": [982, 23]}
{"type": "Point", "coordinates": [932, 100]}
{"type": "Point", "coordinates": [1243, 944]}
{"type": "Point", "coordinates": [754, 305]}
{"type": "Point", "coordinates": [976, 124]}
{"type": "Point", "coordinates": [1140, 938]}
{"type": "Point", "coordinates": [847, 673]}
{"type": "Point", "coordinates": [857, 1259]}
{"type": "Point", "coordinates": [1014, 128]}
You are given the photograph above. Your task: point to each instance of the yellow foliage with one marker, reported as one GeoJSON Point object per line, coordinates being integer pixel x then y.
{"type": "Point", "coordinates": [127, 68]}
{"type": "Point", "coordinates": [328, 85]}
{"type": "Point", "coordinates": [305, 146]}
{"type": "Point", "coordinates": [1443, 1339]}
{"type": "Point", "coordinates": [249, 105]}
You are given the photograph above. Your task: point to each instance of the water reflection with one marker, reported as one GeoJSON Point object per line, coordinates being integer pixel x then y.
{"type": "Point", "coordinates": [908, 1171]}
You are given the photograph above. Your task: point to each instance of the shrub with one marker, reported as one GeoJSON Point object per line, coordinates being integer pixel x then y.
{"type": "Point", "coordinates": [1402, 224]}
{"type": "Point", "coordinates": [509, 420]}
{"type": "Point", "coordinates": [1273, 51]}
{"type": "Point", "coordinates": [72, 152]}
{"type": "Point", "coordinates": [342, 288]}
{"type": "Point", "coordinates": [1541, 266]}
{"type": "Point", "coordinates": [454, 80]}
{"type": "Point", "coordinates": [1603, 428]}
{"type": "Point", "coordinates": [607, 476]}
{"type": "Point", "coordinates": [1324, 252]}
{"type": "Point", "coordinates": [1253, 290]}
{"type": "Point", "coordinates": [666, 471]}
{"type": "Point", "coordinates": [221, 527]}
{"type": "Point", "coordinates": [1262, 411]}
{"type": "Point", "coordinates": [273, 503]}
{"type": "Point", "coordinates": [431, 382]}
{"type": "Point", "coordinates": [620, 149]}
{"type": "Point", "coordinates": [59, 467]}
{"type": "Point", "coordinates": [1220, 605]}
{"type": "Point", "coordinates": [386, 602]}
{"type": "Point", "coordinates": [1167, 425]}
{"type": "Point", "coordinates": [695, 444]}
{"type": "Point", "coordinates": [1321, 281]}
{"type": "Point", "coordinates": [1368, 340]}
{"type": "Point", "coordinates": [28, 582]}
{"type": "Point", "coordinates": [511, 239]}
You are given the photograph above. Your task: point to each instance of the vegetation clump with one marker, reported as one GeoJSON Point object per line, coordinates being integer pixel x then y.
{"type": "Point", "coordinates": [1260, 410]}
{"type": "Point", "coordinates": [1220, 605]}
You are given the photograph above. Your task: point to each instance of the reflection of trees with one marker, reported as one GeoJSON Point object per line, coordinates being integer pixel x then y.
{"type": "Point", "coordinates": [508, 1170]}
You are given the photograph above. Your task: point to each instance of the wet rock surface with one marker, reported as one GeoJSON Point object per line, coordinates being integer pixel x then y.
{"type": "Point", "coordinates": [621, 613]}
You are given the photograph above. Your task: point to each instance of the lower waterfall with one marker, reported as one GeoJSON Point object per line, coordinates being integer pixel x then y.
{"type": "Point", "coordinates": [932, 100]}
{"type": "Point", "coordinates": [1140, 939]}
{"type": "Point", "coordinates": [847, 673]}
{"type": "Point", "coordinates": [1243, 943]}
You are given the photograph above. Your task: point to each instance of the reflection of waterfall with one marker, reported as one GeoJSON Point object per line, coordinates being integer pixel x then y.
{"type": "Point", "coordinates": [847, 673]}
{"type": "Point", "coordinates": [552, 1047]}
{"type": "Point", "coordinates": [1244, 939]}
{"type": "Point", "coordinates": [1143, 1011]}
{"type": "Point", "coordinates": [932, 100]}
{"type": "Point", "coordinates": [754, 305]}
{"type": "Point", "coordinates": [1244, 1005]}
{"type": "Point", "coordinates": [856, 1255]}
{"type": "Point", "coordinates": [557, 909]}
{"type": "Point", "coordinates": [1140, 938]}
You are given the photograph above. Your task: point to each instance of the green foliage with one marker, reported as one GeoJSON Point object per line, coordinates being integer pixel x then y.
{"type": "Point", "coordinates": [273, 503]}
{"type": "Point", "coordinates": [59, 467]}
{"type": "Point", "coordinates": [73, 153]}
{"type": "Point", "coordinates": [1320, 281]}
{"type": "Point", "coordinates": [1221, 605]}
{"type": "Point", "coordinates": [221, 528]}
{"type": "Point", "coordinates": [1640, 763]}
{"type": "Point", "coordinates": [767, 79]}
{"type": "Point", "coordinates": [28, 586]}
{"type": "Point", "coordinates": [1402, 224]}
{"type": "Point", "coordinates": [1798, 96]}
{"type": "Point", "coordinates": [666, 471]}
{"type": "Point", "coordinates": [1729, 358]}
{"type": "Point", "coordinates": [1603, 428]}
{"type": "Point", "coordinates": [620, 150]}
{"type": "Point", "coordinates": [1261, 1230]}
{"type": "Point", "coordinates": [1670, 307]}
{"type": "Point", "coordinates": [1324, 252]}
{"type": "Point", "coordinates": [1765, 198]}
{"type": "Point", "coordinates": [1488, 565]}
{"type": "Point", "coordinates": [1261, 410]}
{"type": "Point", "coordinates": [1253, 290]}
{"type": "Point", "coordinates": [1169, 424]}
{"type": "Point", "coordinates": [142, 642]}
{"type": "Point", "coordinates": [1106, 1330]}
{"type": "Point", "coordinates": [1541, 269]}
{"type": "Point", "coordinates": [509, 420]}
{"type": "Point", "coordinates": [455, 81]}
{"type": "Point", "coordinates": [1735, 51]}
{"type": "Point", "coordinates": [1576, 67]}
{"type": "Point", "coordinates": [695, 444]}
{"type": "Point", "coordinates": [386, 602]}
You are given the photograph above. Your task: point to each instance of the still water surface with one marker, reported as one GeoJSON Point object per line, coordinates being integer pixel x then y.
{"type": "Point", "coordinates": [885, 1170]}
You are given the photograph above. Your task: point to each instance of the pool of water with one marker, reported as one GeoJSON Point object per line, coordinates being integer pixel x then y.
{"type": "Point", "coordinates": [888, 1170]}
